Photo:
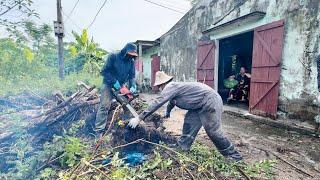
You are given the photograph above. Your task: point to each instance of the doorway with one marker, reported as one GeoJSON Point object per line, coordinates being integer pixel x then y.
{"type": "Point", "coordinates": [259, 50]}
{"type": "Point", "coordinates": [235, 52]}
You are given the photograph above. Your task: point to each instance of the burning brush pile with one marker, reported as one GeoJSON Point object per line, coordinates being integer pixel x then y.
{"type": "Point", "coordinates": [59, 142]}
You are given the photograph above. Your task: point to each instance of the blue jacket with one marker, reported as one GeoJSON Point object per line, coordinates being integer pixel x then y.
{"type": "Point", "coordinates": [120, 67]}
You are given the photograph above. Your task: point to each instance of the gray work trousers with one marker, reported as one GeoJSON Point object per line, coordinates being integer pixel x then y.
{"type": "Point", "coordinates": [211, 121]}
{"type": "Point", "coordinates": [103, 110]}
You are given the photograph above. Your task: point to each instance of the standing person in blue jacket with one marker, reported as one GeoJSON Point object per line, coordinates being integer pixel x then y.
{"type": "Point", "coordinates": [118, 69]}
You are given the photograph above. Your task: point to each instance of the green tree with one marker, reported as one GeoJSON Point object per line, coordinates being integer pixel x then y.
{"type": "Point", "coordinates": [38, 35]}
{"type": "Point", "coordinates": [20, 8]}
{"type": "Point", "coordinates": [42, 41]}
{"type": "Point", "coordinates": [30, 51]}
{"type": "Point", "coordinates": [87, 55]}
{"type": "Point", "coordinates": [16, 60]}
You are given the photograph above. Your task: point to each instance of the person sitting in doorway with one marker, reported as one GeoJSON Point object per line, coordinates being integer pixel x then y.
{"type": "Point", "coordinates": [241, 91]}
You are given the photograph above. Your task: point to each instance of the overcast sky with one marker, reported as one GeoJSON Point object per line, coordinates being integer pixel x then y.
{"type": "Point", "coordinates": [119, 22]}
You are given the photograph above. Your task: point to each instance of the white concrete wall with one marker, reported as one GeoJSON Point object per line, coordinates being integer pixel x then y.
{"type": "Point", "coordinates": [293, 82]}
{"type": "Point", "coordinates": [301, 40]}
{"type": "Point", "coordinates": [147, 67]}
{"type": "Point", "coordinates": [146, 58]}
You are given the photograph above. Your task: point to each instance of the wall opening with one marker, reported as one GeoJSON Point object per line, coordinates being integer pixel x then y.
{"type": "Point", "coordinates": [235, 52]}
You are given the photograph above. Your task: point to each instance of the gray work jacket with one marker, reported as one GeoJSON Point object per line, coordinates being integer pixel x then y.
{"type": "Point", "coordinates": [185, 95]}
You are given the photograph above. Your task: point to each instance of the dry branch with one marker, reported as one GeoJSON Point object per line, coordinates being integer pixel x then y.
{"type": "Point", "coordinates": [95, 168]}
{"type": "Point", "coordinates": [108, 130]}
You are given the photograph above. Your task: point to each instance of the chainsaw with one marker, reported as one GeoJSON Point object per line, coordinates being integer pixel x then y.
{"type": "Point", "coordinates": [124, 96]}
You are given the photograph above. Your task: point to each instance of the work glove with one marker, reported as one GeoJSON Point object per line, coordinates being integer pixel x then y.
{"type": "Point", "coordinates": [117, 85]}
{"type": "Point", "coordinates": [134, 122]}
{"type": "Point", "coordinates": [133, 89]}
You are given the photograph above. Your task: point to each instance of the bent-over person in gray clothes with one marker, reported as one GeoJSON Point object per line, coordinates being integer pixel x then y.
{"type": "Point", "coordinates": [204, 107]}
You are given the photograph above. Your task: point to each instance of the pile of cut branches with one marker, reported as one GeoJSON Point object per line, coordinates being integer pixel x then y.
{"type": "Point", "coordinates": [58, 114]}
{"type": "Point", "coordinates": [104, 157]}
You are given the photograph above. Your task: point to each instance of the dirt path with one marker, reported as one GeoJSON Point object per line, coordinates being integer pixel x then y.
{"type": "Point", "coordinates": [250, 137]}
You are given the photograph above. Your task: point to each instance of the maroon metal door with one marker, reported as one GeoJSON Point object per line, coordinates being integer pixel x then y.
{"type": "Point", "coordinates": [267, 54]}
{"type": "Point", "coordinates": [155, 66]}
{"type": "Point", "coordinates": [205, 62]}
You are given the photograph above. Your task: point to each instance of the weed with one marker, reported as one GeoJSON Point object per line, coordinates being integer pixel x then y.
{"type": "Point", "coordinates": [212, 159]}
{"type": "Point", "coordinates": [47, 173]}
{"type": "Point", "coordinates": [74, 129]}
{"type": "Point", "coordinates": [264, 166]}
{"type": "Point", "coordinates": [74, 150]}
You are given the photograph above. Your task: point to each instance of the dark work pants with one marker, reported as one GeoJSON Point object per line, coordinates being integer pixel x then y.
{"type": "Point", "coordinates": [103, 110]}
{"type": "Point", "coordinates": [211, 121]}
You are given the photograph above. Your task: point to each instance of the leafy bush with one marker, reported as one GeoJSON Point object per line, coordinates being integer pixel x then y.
{"type": "Point", "coordinates": [74, 150]}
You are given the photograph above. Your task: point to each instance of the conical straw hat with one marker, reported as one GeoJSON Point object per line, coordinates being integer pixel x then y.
{"type": "Point", "coordinates": [161, 78]}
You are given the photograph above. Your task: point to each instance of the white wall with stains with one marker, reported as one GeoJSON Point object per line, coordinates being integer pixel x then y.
{"type": "Point", "coordinates": [298, 84]}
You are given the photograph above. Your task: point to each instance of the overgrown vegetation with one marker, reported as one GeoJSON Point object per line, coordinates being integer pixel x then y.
{"type": "Point", "coordinates": [28, 62]}
{"type": "Point", "coordinates": [68, 151]}
{"type": "Point", "coordinates": [200, 163]}
{"type": "Point", "coordinates": [62, 152]}
{"type": "Point", "coordinates": [29, 59]}
{"type": "Point", "coordinates": [46, 85]}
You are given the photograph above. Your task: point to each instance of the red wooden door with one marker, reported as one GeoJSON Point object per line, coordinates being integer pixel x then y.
{"type": "Point", "coordinates": [267, 54]}
{"type": "Point", "coordinates": [205, 62]}
{"type": "Point", "coordinates": [138, 65]}
{"type": "Point", "coordinates": [155, 67]}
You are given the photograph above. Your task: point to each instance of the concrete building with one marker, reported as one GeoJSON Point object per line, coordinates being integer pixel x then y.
{"type": "Point", "coordinates": [277, 41]}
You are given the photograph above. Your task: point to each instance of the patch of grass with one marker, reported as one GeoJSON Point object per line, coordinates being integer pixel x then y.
{"type": "Point", "coordinates": [212, 159]}
{"type": "Point", "coordinates": [264, 167]}
{"type": "Point", "coordinates": [13, 123]}
{"type": "Point", "coordinates": [45, 85]}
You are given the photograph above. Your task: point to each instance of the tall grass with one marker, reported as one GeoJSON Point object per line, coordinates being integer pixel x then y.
{"type": "Point", "coordinates": [46, 85]}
